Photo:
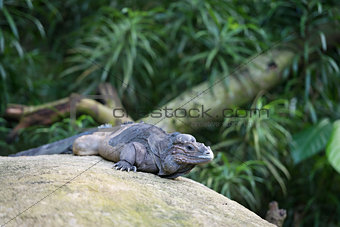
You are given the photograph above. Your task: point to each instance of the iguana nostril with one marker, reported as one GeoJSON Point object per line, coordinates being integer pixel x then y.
{"type": "Point", "coordinates": [207, 152]}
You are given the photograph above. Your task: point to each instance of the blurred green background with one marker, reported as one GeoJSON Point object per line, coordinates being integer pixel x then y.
{"type": "Point", "coordinates": [158, 49]}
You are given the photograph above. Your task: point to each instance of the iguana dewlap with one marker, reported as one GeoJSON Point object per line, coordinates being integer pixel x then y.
{"type": "Point", "coordinates": [147, 148]}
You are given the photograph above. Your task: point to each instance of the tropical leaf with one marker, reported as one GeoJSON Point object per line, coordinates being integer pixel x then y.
{"type": "Point", "coordinates": [11, 22]}
{"type": "Point", "coordinates": [333, 147]}
{"type": "Point", "coordinates": [310, 141]}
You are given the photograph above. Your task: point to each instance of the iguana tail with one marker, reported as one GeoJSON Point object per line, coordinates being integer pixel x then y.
{"type": "Point", "coordinates": [59, 147]}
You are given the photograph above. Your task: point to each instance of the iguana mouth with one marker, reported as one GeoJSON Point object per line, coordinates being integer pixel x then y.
{"type": "Point", "coordinates": [191, 159]}
{"type": "Point", "coordinates": [206, 156]}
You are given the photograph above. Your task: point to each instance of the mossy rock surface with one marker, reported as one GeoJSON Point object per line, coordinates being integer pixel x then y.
{"type": "Point", "coordinates": [67, 190]}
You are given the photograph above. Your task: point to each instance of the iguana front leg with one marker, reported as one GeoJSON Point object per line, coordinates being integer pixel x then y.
{"type": "Point", "coordinates": [127, 158]}
{"type": "Point", "coordinates": [124, 166]}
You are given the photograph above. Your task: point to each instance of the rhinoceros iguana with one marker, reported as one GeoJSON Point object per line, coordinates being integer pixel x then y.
{"type": "Point", "coordinates": [136, 147]}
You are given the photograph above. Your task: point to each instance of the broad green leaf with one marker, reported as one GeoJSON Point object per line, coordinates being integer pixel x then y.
{"type": "Point", "coordinates": [295, 64]}
{"type": "Point", "coordinates": [303, 24]}
{"type": "Point", "coordinates": [18, 48]}
{"type": "Point", "coordinates": [333, 147]}
{"type": "Point", "coordinates": [333, 64]}
{"type": "Point", "coordinates": [210, 58]}
{"type": "Point", "coordinates": [311, 141]}
{"type": "Point", "coordinates": [319, 7]}
{"type": "Point", "coordinates": [285, 73]}
{"type": "Point", "coordinates": [323, 41]}
{"type": "Point", "coordinates": [29, 4]}
{"type": "Point", "coordinates": [2, 72]}
{"type": "Point", "coordinates": [2, 42]}
{"type": "Point", "coordinates": [11, 22]}
{"type": "Point", "coordinates": [306, 52]}
{"type": "Point", "coordinates": [39, 26]}
{"type": "Point", "coordinates": [312, 111]}
{"type": "Point", "coordinates": [307, 83]}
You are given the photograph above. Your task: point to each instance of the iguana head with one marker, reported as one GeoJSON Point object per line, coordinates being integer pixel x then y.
{"type": "Point", "coordinates": [185, 149]}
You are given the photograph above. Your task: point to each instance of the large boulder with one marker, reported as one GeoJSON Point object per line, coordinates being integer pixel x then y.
{"type": "Point", "coordinates": [66, 190]}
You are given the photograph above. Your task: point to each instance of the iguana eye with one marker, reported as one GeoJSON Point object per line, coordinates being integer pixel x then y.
{"type": "Point", "coordinates": [190, 148]}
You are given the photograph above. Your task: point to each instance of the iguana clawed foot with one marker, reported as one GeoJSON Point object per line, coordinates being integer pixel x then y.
{"type": "Point", "coordinates": [124, 166]}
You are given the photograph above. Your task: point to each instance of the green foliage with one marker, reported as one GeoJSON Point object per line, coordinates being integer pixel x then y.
{"type": "Point", "coordinates": [119, 46]}
{"type": "Point", "coordinates": [313, 194]}
{"type": "Point", "coordinates": [235, 180]}
{"type": "Point", "coordinates": [314, 69]}
{"type": "Point", "coordinates": [263, 134]}
{"type": "Point", "coordinates": [252, 145]}
{"type": "Point", "coordinates": [311, 141]}
{"type": "Point", "coordinates": [333, 147]}
{"type": "Point", "coordinates": [37, 135]}
{"type": "Point", "coordinates": [151, 51]}
{"type": "Point", "coordinates": [59, 130]}
{"type": "Point", "coordinates": [24, 69]}
{"type": "Point", "coordinates": [313, 89]}
{"type": "Point", "coordinates": [5, 130]}
{"type": "Point", "coordinates": [165, 49]}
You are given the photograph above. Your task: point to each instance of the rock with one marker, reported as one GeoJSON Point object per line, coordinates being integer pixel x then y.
{"type": "Point", "coordinates": [67, 190]}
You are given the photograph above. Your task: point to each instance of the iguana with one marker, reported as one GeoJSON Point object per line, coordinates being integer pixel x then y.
{"type": "Point", "coordinates": [135, 147]}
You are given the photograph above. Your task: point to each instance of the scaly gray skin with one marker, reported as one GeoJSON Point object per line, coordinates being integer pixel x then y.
{"type": "Point", "coordinates": [145, 148]}
{"type": "Point", "coordinates": [139, 147]}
